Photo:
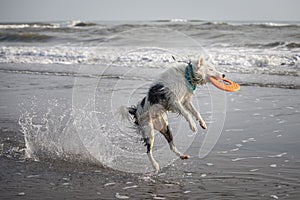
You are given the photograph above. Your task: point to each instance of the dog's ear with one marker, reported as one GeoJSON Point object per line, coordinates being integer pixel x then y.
{"type": "Point", "coordinates": [201, 61]}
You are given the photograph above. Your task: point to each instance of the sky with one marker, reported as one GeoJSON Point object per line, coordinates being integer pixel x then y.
{"type": "Point", "coordinates": [141, 10]}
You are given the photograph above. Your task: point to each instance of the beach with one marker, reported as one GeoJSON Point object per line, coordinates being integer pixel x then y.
{"type": "Point", "coordinates": [61, 85]}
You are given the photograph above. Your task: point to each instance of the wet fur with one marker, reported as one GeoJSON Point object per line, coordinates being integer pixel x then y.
{"type": "Point", "coordinates": [170, 93]}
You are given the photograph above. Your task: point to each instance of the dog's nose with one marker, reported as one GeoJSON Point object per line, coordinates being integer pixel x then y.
{"type": "Point", "coordinates": [223, 75]}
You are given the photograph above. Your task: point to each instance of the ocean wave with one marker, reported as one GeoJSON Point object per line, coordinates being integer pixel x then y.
{"type": "Point", "coordinates": [55, 25]}
{"type": "Point", "coordinates": [273, 25]}
{"type": "Point", "coordinates": [281, 44]}
{"type": "Point", "coordinates": [26, 25]}
{"type": "Point", "coordinates": [293, 45]}
{"type": "Point", "coordinates": [249, 60]}
{"type": "Point", "coordinates": [84, 24]}
{"type": "Point", "coordinates": [178, 20]}
{"type": "Point", "coordinates": [232, 23]}
{"type": "Point", "coordinates": [234, 33]}
{"type": "Point", "coordinates": [195, 22]}
{"type": "Point", "coordinates": [24, 37]}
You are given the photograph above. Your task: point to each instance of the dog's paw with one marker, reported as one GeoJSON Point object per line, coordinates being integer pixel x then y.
{"type": "Point", "coordinates": [183, 157]}
{"type": "Point", "coordinates": [203, 124]}
{"type": "Point", "coordinates": [156, 167]}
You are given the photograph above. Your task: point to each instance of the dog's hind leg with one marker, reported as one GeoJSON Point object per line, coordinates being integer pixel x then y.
{"type": "Point", "coordinates": [148, 133]}
{"type": "Point", "coordinates": [168, 135]}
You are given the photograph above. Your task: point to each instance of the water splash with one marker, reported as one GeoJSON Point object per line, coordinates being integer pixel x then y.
{"type": "Point", "coordinates": [49, 132]}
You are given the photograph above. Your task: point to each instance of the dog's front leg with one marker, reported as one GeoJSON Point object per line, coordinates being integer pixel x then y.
{"type": "Point", "coordinates": [190, 107]}
{"type": "Point", "coordinates": [181, 110]}
{"type": "Point", "coordinates": [199, 118]}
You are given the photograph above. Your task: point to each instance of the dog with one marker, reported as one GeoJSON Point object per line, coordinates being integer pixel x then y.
{"type": "Point", "coordinates": [171, 92]}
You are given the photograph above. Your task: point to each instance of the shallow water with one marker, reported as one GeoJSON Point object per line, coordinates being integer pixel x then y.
{"type": "Point", "coordinates": [60, 136]}
{"type": "Point", "coordinates": [258, 157]}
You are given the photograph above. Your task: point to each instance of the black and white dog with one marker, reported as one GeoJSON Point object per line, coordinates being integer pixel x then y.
{"type": "Point", "coordinates": [172, 91]}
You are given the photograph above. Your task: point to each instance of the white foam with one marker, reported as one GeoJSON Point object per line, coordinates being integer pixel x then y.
{"type": "Point", "coordinates": [290, 107]}
{"type": "Point", "coordinates": [234, 130]}
{"type": "Point", "coordinates": [238, 159]}
{"type": "Point", "coordinates": [157, 197]}
{"type": "Point", "coordinates": [236, 149]}
{"type": "Point", "coordinates": [109, 184]}
{"type": "Point", "coordinates": [249, 140]}
{"type": "Point", "coordinates": [253, 157]}
{"type": "Point", "coordinates": [130, 187]}
{"type": "Point", "coordinates": [118, 196]}
{"type": "Point", "coordinates": [274, 196]}
{"type": "Point", "coordinates": [278, 155]}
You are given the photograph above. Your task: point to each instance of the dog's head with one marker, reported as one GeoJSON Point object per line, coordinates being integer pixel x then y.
{"type": "Point", "coordinates": [203, 70]}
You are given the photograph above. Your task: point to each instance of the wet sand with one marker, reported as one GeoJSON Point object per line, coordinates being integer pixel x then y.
{"type": "Point", "coordinates": [256, 157]}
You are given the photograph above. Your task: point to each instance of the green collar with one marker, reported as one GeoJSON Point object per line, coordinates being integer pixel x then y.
{"type": "Point", "coordinates": [189, 77]}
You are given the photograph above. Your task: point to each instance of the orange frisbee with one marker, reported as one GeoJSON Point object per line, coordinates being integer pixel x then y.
{"type": "Point", "coordinates": [230, 86]}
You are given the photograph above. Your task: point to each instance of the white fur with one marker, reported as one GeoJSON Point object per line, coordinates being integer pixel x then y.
{"type": "Point", "coordinates": [154, 117]}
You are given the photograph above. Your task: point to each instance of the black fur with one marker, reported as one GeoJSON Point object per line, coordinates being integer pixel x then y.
{"type": "Point", "coordinates": [146, 142]}
{"type": "Point", "coordinates": [158, 94]}
{"type": "Point", "coordinates": [132, 110]}
{"type": "Point", "coordinates": [143, 102]}
{"type": "Point", "coordinates": [168, 134]}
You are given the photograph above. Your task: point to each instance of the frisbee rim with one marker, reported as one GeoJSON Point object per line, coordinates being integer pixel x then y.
{"type": "Point", "coordinates": [232, 87]}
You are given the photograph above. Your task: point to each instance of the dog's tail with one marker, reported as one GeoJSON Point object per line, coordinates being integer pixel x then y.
{"type": "Point", "coordinates": [129, 113]}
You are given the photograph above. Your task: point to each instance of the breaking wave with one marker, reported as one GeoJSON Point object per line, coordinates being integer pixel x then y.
{"type": "Point", "coordinates": [24, 37]}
